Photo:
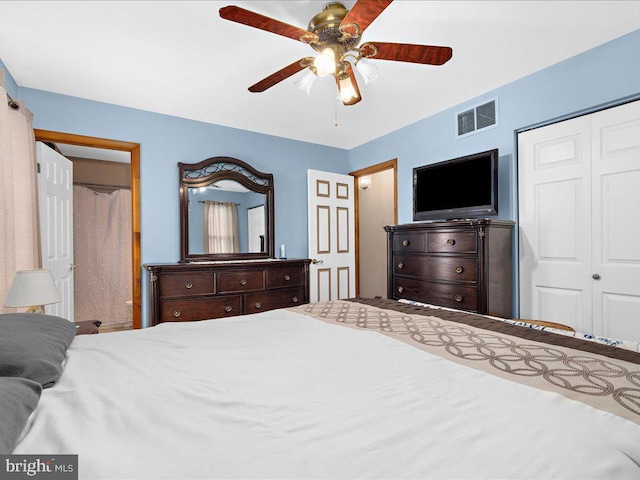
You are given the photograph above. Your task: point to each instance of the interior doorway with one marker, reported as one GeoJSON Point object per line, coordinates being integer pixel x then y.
{"type": "Point", "coordinates": [376, 205]}
{"type": "Point", "coordinates": [134, 151]}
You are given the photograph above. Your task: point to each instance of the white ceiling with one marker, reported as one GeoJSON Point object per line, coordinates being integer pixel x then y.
{"type": "Point", "coordinates": [182, 59]}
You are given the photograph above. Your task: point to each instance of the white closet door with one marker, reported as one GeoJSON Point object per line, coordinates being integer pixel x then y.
{"type": "Point", "coordinates": [555, 226]}
{"type": "Point", "coordinates": [616, 221]}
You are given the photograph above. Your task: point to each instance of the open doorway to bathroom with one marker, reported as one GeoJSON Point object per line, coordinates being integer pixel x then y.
{"type": "Point", "coordinates": [106, 227]}
{"type": "Point", "coordinates": [376, 205]}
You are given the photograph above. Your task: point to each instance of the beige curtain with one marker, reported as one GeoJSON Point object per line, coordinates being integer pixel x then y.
{"type": "Point", "coordinates": [221, 227]}
{"type": "Point", "coordinates": [19, 241]}
{"type": "Point", "coordinates": [102, 254]}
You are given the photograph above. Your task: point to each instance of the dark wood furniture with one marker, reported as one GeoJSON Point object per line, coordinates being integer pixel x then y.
{"type": "Point", "coordinates": [458, 264]}
{"type": "Point", "coordinates": [217, 178]}
{"type": "Point", "coordinates": [88, 327]}
{"type": "Point", "coordinates": [200, 291]}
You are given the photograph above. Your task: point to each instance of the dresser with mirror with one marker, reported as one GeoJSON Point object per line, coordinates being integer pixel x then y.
{"type": "Point", "coordinates": [228, 265]}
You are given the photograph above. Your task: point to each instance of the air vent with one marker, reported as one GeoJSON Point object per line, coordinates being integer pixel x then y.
{"type": "Point", "coordinates": [478, 118]}
{"type": "Point", "coordinates": [466, 122]}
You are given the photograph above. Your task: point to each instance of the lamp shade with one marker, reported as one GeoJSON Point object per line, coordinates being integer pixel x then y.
{"type": "Point", "coordinates": [32, 287]}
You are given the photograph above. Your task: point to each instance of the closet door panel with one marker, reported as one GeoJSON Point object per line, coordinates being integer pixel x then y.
{"type": "Point", "coordinates": [555, 225]}
{"type": "Point", "coordinates": [615, 137]}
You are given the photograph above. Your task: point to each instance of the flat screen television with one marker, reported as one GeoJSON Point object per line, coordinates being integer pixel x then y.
{"type": "Point", "coordinates": [460, 188]}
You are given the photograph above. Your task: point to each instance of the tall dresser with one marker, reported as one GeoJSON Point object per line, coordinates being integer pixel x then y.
{"type": "Point", "coordinates": [464, 264]}
{"type": "Point", "coordinates": [205, 290]}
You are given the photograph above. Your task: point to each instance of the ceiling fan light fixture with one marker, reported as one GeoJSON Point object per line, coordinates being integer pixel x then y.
{"type": "Point", "coordinates": [348, 89]}
{"type": "Point", "coordinates": [325, 63]}
{"type": "Point", "coordinates": [306, 82]}
{"type": "Point", "coordinates": [368, 70]}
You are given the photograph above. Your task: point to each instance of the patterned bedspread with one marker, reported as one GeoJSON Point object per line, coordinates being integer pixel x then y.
{"type": "Point", "coordinates": [604, 377]}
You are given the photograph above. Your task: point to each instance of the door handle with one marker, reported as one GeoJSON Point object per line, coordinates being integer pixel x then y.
{"type": "Point", "coordinates": [595, 276]}
{"type": "Point", "coordinates": [318, 262]}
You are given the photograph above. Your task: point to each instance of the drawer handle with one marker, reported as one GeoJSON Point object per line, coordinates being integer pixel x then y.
{"type": "Point", "coordinates": [295, 299]}
{"type": "Point", "coordinates": [405, 242]}
{"type": "Point", "coordinates": [459, 269]}
{"type": "Point", "coordinates": [176, 313]}
{"type": "Point", "coordinates": [458, 298]}
{"type": "Point", "coordinates": [188, 284]}
{"type": "Point", "coordinates": [243, 282]}
{"type": "Point", "coordinates": [258, 305]}
{"type": "Point", "coordinates": [451, 242]}
{"type": "Point", "coordinates": [287, 277]}
{"type": "Point", "coordinates": [228, 308]}
{"type": "Point", "coordinates": [400, 289]}
{"type": "Point", "coordinates": [400, 265]}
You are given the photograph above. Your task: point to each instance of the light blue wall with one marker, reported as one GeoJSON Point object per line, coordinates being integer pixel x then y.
{"type": "Point", "coordinates": [598, 76]}
{"type": "Point", "coordinates": [602, 76]}
{"type": "Point", "coordinates": [165, 140]}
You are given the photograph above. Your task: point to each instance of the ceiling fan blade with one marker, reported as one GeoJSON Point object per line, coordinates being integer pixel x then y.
{"type": "Point", "coordinates": [256, 20]}
{"type": "Point", "coordinates": [281, 75]}
{"type": "Point", "coordinates": [363, 13]}
{"type": "Point", "coordinates": [406, 52]}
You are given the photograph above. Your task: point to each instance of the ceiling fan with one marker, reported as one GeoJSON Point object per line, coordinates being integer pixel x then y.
{"type": "Point", "coordinates": [335, 33]}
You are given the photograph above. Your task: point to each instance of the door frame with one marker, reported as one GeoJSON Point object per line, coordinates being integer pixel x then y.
{"type": "Point", "coordinates": [134, 149]}
{"type": "Point", "coordinates": [363, 172]}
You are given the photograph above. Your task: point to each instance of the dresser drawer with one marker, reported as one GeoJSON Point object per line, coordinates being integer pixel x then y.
{"type": "Point", "coordinates": [463, 297]}
{"type": "Point", "coordinates": [240, 281]}
{"type": "Point", "coordinates": [282, 277]}
{"type": "Point", "coordinates": [409, 242]}
{"type": "Point", "coordinates": [260, 302]}
{"type": "Point", "coordinates": [174, 285]}
{"type": "Point", "coordinates": [200, 308]}
{"type": "Point", "coordinates": [452, 242]}
{"type": "Point", "coordinates": [462, 269]}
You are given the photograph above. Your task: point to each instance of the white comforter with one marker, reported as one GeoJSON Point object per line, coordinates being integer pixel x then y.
{"type": "Point", "coordinates": [281, 395]}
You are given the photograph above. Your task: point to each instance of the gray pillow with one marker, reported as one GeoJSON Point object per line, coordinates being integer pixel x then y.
{"type": "Point", "coordinates": [18, 398]}
{"type": "Point", "coordinates": [33, 346]}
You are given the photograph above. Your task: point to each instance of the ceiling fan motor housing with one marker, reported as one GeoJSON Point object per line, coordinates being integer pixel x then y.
{"type": "Point", "coordinates": [326, 26]}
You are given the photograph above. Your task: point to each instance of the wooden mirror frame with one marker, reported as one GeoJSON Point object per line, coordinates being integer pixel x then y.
{"type": "Point", "coordinates": [209, 171]}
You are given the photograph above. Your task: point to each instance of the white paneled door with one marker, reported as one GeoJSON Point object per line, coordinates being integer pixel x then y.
{"type": "Point", "coordinates": [579, 193]}
{"type": "Point", "coordinates": [615, 179]}
{"type": "Point", "coordinates": [555, 224]}
{"type": "Point", "coordinates": [55, 195]}
{"type": "Point", "coordinates": [331, 236]}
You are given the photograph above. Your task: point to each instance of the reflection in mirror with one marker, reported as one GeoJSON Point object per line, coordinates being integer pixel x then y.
{"type": "Point", "coordinates": [226, 211]}
{"type": "Point", "coordinates": [226, 217]}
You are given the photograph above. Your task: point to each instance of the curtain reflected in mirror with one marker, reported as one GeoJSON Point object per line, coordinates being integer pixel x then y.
{"type": "Point", "coordinates": [221, 233]}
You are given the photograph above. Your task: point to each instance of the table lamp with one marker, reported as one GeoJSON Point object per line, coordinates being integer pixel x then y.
{"type": "Point", "coordinates": [32, 288]}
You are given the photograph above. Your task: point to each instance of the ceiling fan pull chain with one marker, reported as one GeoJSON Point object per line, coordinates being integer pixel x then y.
{"type": "Point", "coordinates": [335, 124]}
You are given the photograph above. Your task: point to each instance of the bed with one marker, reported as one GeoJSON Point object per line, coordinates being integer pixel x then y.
{"type": "Point", "coordinates": [343, 389]}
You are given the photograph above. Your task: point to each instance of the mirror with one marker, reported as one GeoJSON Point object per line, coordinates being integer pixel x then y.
{"type": "Point", "coordinates": [226, 211]}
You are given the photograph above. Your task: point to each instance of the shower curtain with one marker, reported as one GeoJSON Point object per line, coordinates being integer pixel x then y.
{"type": "Point", "coordinates": [102, 251]}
